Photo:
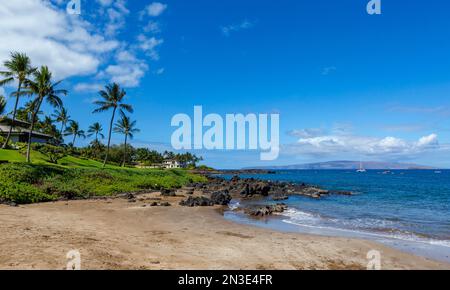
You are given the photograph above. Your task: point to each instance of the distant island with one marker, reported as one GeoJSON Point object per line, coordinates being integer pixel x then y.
{"type": "Point", "coordinates": [348, 165]}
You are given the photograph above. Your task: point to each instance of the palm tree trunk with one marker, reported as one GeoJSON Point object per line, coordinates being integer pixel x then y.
{"type": "Point", "coordinates": [33, 120]}
{"type": "Point", "coordinates": [125, 152]}
{"type": "Point", "coordinates": [14, 116]}
{"type": "Point", "coordinates": [109, 137]}
{"type": "Point", "coordinates": [73, 142]}
{"type": "Point", "coordinates": [62, 128]}
{"type": "Point", "coordinates": [96, 137]}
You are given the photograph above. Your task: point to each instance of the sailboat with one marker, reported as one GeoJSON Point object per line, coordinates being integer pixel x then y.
{"type": "Point", "coordinates": [361, 168]}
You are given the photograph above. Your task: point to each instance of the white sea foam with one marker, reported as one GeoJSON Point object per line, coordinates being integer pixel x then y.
{"type": "Point", "coordinates": [234, 204]}
{"type": "Point", "coordinates": [357, 227]}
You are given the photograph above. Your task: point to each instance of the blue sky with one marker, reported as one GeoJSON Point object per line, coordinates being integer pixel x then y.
{"type": "Point", "coordinates": [347, 85]}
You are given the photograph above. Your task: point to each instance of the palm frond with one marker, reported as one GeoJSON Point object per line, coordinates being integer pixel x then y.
{"type": "Point", "coordinates": [2, 105]}
{"type": "Point", "coordinates": [6, 81]}
{"type": "Point", "coordinates": [127, 108]}
{"type": "Point", "coordinates": [54, 101]}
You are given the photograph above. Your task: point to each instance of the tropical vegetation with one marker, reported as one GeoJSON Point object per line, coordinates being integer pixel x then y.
{"type": "Point", "coordinates": [18, 68]}
{"type": "Point", "coordinates": [36, 172]}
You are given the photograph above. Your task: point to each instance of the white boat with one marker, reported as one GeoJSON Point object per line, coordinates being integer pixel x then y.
{"type": "Point", "coordinates": [361, 168]}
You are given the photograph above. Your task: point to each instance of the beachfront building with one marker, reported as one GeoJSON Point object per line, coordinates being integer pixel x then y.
{"type": "Point", "coordinates": [171, 164]}
{"type": "Point", "coordinates": [21, 131]}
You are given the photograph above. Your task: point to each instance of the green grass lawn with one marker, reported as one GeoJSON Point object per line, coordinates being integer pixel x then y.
{"type": "Point", "coordinates": [73, 177]}
{"type": "Point", "coordinates": [11, 156]}
{"type": "Point", "coordinates": [37, 158]}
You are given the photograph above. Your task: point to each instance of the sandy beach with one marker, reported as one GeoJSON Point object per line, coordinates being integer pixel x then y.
{"type": "Point", "coordinates": [118, 234]}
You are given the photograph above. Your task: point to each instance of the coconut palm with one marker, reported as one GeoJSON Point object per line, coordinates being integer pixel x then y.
{"type": "Point", "coordinates": [112, 98]}
{"type": "Point", "coordinates": [128, 128]}
{"type": "Point", "coordinates": [26, 112]}
{"type": "Point", "coordinates": [61, 116]}
{"type": "Point", "coordinates": [169, 155]}
{"type": "Point", "coordinates": [2, 105]}
{"type": "Point", "coordinates": [44, 89]}
{"type": "Point", "coordinates": [47, 126]}
{"type": "Point", "coordinates": [18, 68]}
{"type": "Point", "coordinates": [96, 129]}
{"type": "Point", "coordinates": [75, 131]}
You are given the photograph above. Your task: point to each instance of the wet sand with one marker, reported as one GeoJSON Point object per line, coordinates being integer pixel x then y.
{"type": "Point", "coordinates": [118, 234]}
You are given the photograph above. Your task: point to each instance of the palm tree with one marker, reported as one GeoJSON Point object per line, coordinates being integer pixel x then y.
{"type": "Point", "coordinates": [74, 130]}
{"type": "Point", "coordinates": [18, 69]}
{"type": "Point", "coordinates": [47, 126]}
{"type": "Point", "coordinates": [96, 129]}
{"type": "Point", "coordinates": [169, 155]}
{"type": "Point", "coordinates": [26, 112]}
{"type": "Point", "coordinates": [44, 89]}
{"type": "Point", "coordinates": [112, 98]}
{"type": "Point", "coordinates": [128, 128]}
{"type": "Point", "coordinates": [61, 116]}
{"type": "Point", "coordinates": [2, 105]}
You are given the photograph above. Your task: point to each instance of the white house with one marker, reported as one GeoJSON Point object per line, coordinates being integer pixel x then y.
{"type": "Point", "coordinates": [171, 164]}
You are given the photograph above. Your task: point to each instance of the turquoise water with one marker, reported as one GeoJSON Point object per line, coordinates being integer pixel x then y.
{"type": "Point", "coordinates": [407, 209]}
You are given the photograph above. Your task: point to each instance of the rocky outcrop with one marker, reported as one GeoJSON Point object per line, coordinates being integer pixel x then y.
{"type": "Point", "coordinates": [168, 193]}
{"type": "Point", "coordinates": [259, 188]}
{"type": "Point", "coordinates": [314, 192]}
{"type": "Point", "coordinates": [197, 201]}
{"type": "Point", "coordinates": [280, 197]}
{"type": "Point", "coordinates": [250, 188]}
{"type": "Point", "coordinates": [341, 192]}
{"type": "Point", "coordinates": [164, 204]}
{"type": "Point", "coordinates": [221, 197]}
{"type": "Point", "coordinates": [262, 211]}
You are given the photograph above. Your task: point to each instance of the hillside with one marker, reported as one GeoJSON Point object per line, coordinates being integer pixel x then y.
{"type": "Point", "coordinates": [76, 178]}
{"type": "Point", "coordinates": [38, 158]}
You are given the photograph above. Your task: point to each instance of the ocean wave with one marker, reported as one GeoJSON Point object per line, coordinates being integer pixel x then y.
{"type": "Point", "coordinates": [381, 229]}
{"type": "Point", "coordinates": [234, 204]}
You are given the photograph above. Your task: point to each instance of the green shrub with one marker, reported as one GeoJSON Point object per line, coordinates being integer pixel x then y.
{"type": "Point", "coordinates": [21, 193]}
{"type": "Point", "coordinates": [19, 173]}
{"type": "Point", "coordinates": [53, 153]}
{"type": "Point", "coordinates": [25, 183]}
{"type": "Point", "coordinates": [22, 147]}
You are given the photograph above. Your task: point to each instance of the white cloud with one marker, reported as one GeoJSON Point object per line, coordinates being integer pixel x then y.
{"type": "Point", "coordinates": [227, 30]}
{"type": "Point", "coordinates": [431, 140]}
{"type": "Point", "coordinates": [152, 27]}
{"type": "Point", "coordinates": [306, 133]}
{"type": "Point", "coordinates": [116, 15]}
{"type": "Point", "coordinates": [160, 71]}
{"type": "Point", "coordinates": [127, 71]}
{"type": "Point", "coordinates": [127, 74]}
{"type": "Point", "coordinates": [88, 87]}
{"type": "Point", "coordinates": [52, 37]}
{"type": "Point", "coordinates": [362, 145]}
{"type": "Point", "coordinates": [149, 45]}
{"type": "Point", "coordinates": [72, 46]}
{"type": "Point", "coordinates": [155, 9]}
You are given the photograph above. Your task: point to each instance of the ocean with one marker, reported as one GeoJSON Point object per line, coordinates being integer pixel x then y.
{"type": "Point", "coordinates": [405, 209]}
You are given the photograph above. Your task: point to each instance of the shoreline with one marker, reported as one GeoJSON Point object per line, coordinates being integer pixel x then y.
{"type": "Point", "coordinates": [294, 219]}
{"type": "Point", "coordinates": [430, 249]}
{"type": "Point", "coordinates": [118, 234]}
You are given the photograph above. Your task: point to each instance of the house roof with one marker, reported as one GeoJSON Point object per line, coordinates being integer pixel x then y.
{"type": "Point", "coordinates": [18, 123]}
{"type": "Point", "coordinates": [19, 128]}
